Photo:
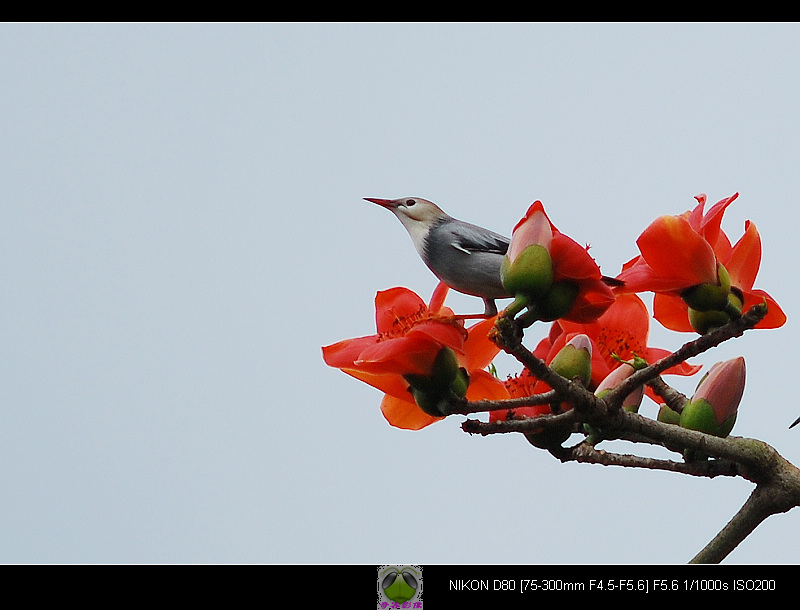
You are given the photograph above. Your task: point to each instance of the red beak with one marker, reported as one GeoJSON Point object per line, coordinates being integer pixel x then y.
{"type": "Point", "coordinates": [386, 203]}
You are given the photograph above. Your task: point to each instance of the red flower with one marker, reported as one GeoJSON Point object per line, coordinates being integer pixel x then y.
{"type": "Point", "coordinates": [409, 336]}
{"type": "Point", "coordinates": [681, 252]}
{"type": "Point", "coordinates": [573, 290]}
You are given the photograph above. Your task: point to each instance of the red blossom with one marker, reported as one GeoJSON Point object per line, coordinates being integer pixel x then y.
{"type": "Point", "coordinates": [680, 252]}
{"type": "Point", "coordinates": [409, 336]}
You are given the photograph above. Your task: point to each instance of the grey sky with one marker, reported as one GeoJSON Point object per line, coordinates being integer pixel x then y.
{"type": "Point", "coordinates": [182, 229]}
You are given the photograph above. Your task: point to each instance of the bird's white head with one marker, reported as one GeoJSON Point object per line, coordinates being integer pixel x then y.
{"type": "Point", "coordinates": [411, 209]}
{"type": "Point", "coordinates": [416, 214]}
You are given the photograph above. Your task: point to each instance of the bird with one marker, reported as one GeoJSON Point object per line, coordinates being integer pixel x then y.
{"type": "Point", "coordinates": [464, 256]}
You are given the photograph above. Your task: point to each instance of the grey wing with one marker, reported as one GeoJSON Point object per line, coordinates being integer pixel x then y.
{"type": "Point", "coordinates": [470, 238]}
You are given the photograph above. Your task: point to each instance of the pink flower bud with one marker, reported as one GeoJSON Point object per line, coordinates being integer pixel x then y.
{"type": "Point", "coordinates": [723, 388]}
{"type": "Point", "coordinates": [534, 228]}
{"type": "Point", "coordinates": [714, 405]}
{"type": "Point", "coordinates": [616, 377]}
{"type": "Point", "coordinates": [574, 359]}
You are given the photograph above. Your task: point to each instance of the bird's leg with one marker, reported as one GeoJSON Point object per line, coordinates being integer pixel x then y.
{"type": "Point", "coordinates": [489, 312]}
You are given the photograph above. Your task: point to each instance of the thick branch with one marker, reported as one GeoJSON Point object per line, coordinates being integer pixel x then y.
{"type": "Point", "coordinates": [586, 453]}
{"type": "Point", "coordinates": [780, 493]}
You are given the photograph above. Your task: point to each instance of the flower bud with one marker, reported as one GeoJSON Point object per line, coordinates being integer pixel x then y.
{"type": "Point", "coordinates": [714, 405]}
{"type": "Point", "coordinates": [616, 377]}
{"type": "Point", "coordinates": [529, 274]}
{"type": "Point", "coordinates": [574, 359]}
{"type": "Point", "coordinates": [527, 268]}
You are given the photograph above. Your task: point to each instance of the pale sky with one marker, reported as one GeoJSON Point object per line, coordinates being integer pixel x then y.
{"type": "Point", "coordinates": [183, 228]}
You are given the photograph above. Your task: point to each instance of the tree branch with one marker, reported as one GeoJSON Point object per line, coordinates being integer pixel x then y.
{"type": "Point", "coordinates": [777, 481]}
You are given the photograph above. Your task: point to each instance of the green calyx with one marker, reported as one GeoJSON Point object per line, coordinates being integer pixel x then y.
{"type": "Point", "coordinates": [448, 381]}
{"type": "Point", "coordinates": [705, 322]}
{"type": "Point", "coordinates": [668, 416]}
{"type": "Point", "coordinates": [557, 301]}
{"type": "Point", "coordinates": [572, 362]}
{"type": "Point", "coordinates": [552, 438]}
{"type": "Point", "coordinates": [710, 297]}
{"type": "Point", "coordinates": [531, 273]}
{"type": "Point", "coordinates": [699, 415]}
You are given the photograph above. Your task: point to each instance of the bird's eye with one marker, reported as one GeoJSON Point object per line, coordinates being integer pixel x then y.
{"type": "Point", "coordinates": [410, 202]}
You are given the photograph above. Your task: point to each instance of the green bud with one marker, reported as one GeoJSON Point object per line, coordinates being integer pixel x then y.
{"type": "Point", "coordinates": [530, 274]}
{"type": "Point", "coordinates": [460, 384]}
{"type": "Point", "coordinates": [430, 403]}
{"type": "Point", "coordinates": [574, 360]}
{"type": "Point", "coordinates": [445, 367]}
{"type": "Point", "coordinates": [420, 383]}
{"type": "Point", "coordinates": [735, 303]}
{"type": "Point", "coordinates": [715, 402]}
{"type": "Point", "coordinates": [699, 415]}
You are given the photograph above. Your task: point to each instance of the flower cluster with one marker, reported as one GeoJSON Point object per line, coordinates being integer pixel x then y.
{"type": "Point", "coordinates": [424, 359]}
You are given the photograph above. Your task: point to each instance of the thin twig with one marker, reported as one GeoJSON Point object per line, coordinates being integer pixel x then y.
{"type": "Point", "coordinates": [674, 399]}
{"type": "Point", "coordinates": [466, 407]}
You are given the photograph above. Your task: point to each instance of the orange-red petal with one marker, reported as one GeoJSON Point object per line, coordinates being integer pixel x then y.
{"type": "Point", "coordinates": [712, 220]}
{"type": "Point", "coordinates": [393, 385]}
{"type": "Point", "coordinates": [676, 252]}
{"type": "Point", "coordinates": [394, 306]}
{"type": "Point", "coordinates": [672, 313]}
{"type": "Point", "coordinates": [405, 414]}
{"type": "Point", "coordinates": [775, 317]}
{"type": "Point", "coordinates": [409, 354]}
{"type": "Point", "coordinates": [479, 350]}
{"type": "Point", "coordinates": [485, 386]}
{"type": "Point", "coordinates": [744, 259]}
{"type": "Point", "coordinates": [593, 300]}
{"type": "Point", "coordinates": [571, 260]}
{"type": "Point", "coordinates": [345, 353]}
